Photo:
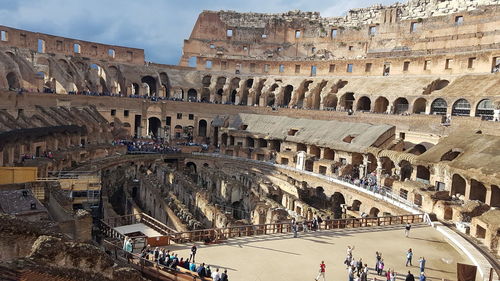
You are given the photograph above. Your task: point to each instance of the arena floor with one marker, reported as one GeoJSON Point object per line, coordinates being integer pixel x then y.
{"type": "Point", "coordinates": [281, 257]}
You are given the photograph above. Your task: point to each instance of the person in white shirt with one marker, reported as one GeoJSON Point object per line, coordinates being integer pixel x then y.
{"type": "Point", "coordinates": [216, 275]}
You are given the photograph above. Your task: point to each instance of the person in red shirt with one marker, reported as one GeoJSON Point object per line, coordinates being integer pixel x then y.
{"type": "Point", "coordinates": [321, 273]}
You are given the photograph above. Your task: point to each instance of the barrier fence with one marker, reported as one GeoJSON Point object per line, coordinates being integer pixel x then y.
{"type": "Point", "coordinates": [217, 235]}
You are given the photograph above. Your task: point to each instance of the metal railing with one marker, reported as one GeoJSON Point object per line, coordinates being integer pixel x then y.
{"type": "Point", "coordinates": [382, 193]}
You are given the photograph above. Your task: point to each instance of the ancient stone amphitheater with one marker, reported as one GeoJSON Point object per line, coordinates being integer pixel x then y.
{"type": "Point", "coordinates": [385, 116]}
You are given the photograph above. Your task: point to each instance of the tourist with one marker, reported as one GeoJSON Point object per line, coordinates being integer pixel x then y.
{"type": "Point", "coordinates": [409, 256]}
{"type": "Point", "coordinates": [314, 224]}
{"type": "Point", "coordinates": [422, 276]}
{"type": "Point", "coordinates": [202, 272]}
{"type": "Point", "coordinates": [378, 257]}
{"type": "Point", "coordinates": [187, 264]}
{"type": "Point", "coordinates": [350, 274]}
{"type": "Point", "coordinates": [319, 220]}
{"type": "Point", "coordinates": [321, 273]}
{"type": "Point", "coordinates": [393, 275]}
{"type": "Point", "coordinates": [223, 276]}
{"type": "Point", "coordinates": [407, 229]}
{"type": "Point", "coordinates": [295, 228]}
{"type": "Point", "coordinates": [304, 225]}
{"type": "Point", "coordinates": [380, 270]}
{"type": "Point", "coordinates": [193, 252]}
{"type": "Point", "coordinates": [359, 265]}
{"type": "Point", "coordinates": [410, 277]}
{"type": "Point", "coordinates": [364, 273]}
{"type": "Point", "coordinates": [421, 262]}
{"type": "Point", "coordinates": [156, 254]}
{"type": "Point", "coordinates": [192, 267]}
{"type": "Point", "coordinates": [215, 275]}
{"type": "Point", "coordinates": [388, 275]}
{"type": "Point", "coordinates": [209, 271]}
{"type": "Point", "coordinates": [349, 250]}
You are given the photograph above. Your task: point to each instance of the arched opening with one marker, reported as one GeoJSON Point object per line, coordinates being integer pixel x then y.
{"type": "Point", "coordinates": [233, 97]}
{"type": "Point", "coordinates": [337, 200]}
{"type": "Point", "coordinates": [439, 107]}
{"type": "Point", "coordinates": [192, 95]}
{"type": "Point", "coordinates": [485, 109]}
{"type": "Point", "coordinates": [13, 81]}
{"type": "Point", "coordinates": [356, 204]}
{"type": "Point", "coordinates": [151, 82]}
{"type": "Point", "coordinates": [206, 80]}
{"type": "Point", "coordinates": [178, 131]}
{"type": "Point", "coordinates": [450, 155]}
{"type": "Point", "coordinates": [165, 82]}
{"type": "Point", "coordinates": [364, 104]}
{"type": "Point", "coordinates": [154, 124]}
{"type": "Point", "coordinates": [205, 95]}
{"type": "Point", "coordinates": [406, 169]}
{"type": "Point", "coordinates": [495, 196]}
{"type": "Point", "coordinates": [191, 167]}
{"type": "Point", "coordinates": [223, 139]}
{"type": "Point", "coordinates": [250, 142]}
{"type": "Point", "coordinates": [329, 154]}
{"type": "Point", "coordinates": [448, 213]}
{"type": "Point", "coordinates": [477, 191]}
{"type": "Point", "coordinates": [381, 105]}
{"type": "Point", "coordinates": [419, 106]}
{"type": "Point", "coordinates": [400, 105]}
{"type": "Point", "coordinates": [135, 89]}
{"type": "Point", "coordinates": [374, 212]}
{"type": "Point", "coordinates": [457, 185]}
{"type": "Point", "coordinates": [461, 108]}
{"type": "Point", "coordinates": [218, 96]}
{"type": "Point", "coordinates": [347, 101]}
{"type": "Point", "coordinates": [387, 166]}
{"type": "Point", "coordinates": [287, 95]}
{"type": "Point", "coordinates": [417, 149]}
{"type": "Point", "coordinates": [271, 97]}
{"type": "Point", "coordinates": [104, 87]}
{"type": "Point", "coordinates": [314, 150]}
{"type": "Point", "coordinates": [202, 128]}
{"type": "Point", "coordinates": [423, 174]}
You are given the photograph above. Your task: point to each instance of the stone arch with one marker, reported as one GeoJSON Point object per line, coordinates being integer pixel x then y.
{"type": "Point", "coordinates": [417, 149]}
{"type": "Point", "coordinates": [484, 109]}
{"type": "Point", "coordinates": [374, 211]}
{"type": "Point", "coordinates": [287, 95]}
{"type": "Point", "coordinates": [151, 82]}
{"type": "Point", "coordinates": [419, 105]}
{"type": "Point", "coordinates": [154, 126]}
{"type": "Point", "coordinates": [458, 185]}
{"type": "Point", "coordinates": [192, 95]}
{"type": "Point", "coordinates": [13, 80]}
{"type": "Point", "coordinates": [381, 105]}
{"type": "Point", "coordinates": [165, 83]}
{"type": "Point", "coordinates": [314, 150]}
{"type": "Point", "coordinates": [495, 196]}
{"type": "Point", "coordinates": [191, 167]}
{"type": "Point", "coordinates": [387, 165]}
{"type": "Point", "coordinates": [206, 80]}
{"type": "Point", "coordinates": [423, 173]}
{"type": "Point", "coordinates": [337, 200]}
{"type": "Point", "coordinates": [405, 170]}
{"type": "Point", "coordinates": [232, 98]}
{"type": "Point", "coordinates": [364, 104]}
{"type": "Point", "coordinates": [329, 154]}
{"type": "Point", "coordinates": [347, 101]}
{"type": "Point", "coordinates": [461, 107]}
{"type": "Point", "coordinates": [202, 128]}
{"type": "Point", "coordinates": [439, 106]}
{"type": "Point", "coordinates": [271, 97]}
{"type": "Point", "coordinates": [178, 131]}
{"type": "Point", "coordinates": [356, 205]}
{"type": "Point", "coordinates": [301, 93]}
{"type": "Point", "coordinates": [450, 155]}
{"type": "Point", "coordinates": [401, 105]}
{"type": "Point", "coordinates": [135, 89]}
{"type": "Point", "coordinates": [205, 95]}
{"type": "Point", "coordinates": [224, 139]}
{"type": "Point", "coordinates": [477, 191]}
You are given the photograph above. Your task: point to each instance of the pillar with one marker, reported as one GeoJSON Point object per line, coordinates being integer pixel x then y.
{"type": "Point", "coordinates": [467, 188]}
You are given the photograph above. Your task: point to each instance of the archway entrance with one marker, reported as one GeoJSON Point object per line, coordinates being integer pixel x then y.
{"type": "Point", "coordinates": [461, 108]}
{"type": "Point", "coordinates": [419, 106]}
{"type": "Point", "coordinates": [337, 200]}
{"type": "Point", "coordinates": [287, 95]}
{"type": "Point", "coordinates": [439, 107]}
{"type": "Point", "coordinates": [192, 95]}
{"type": "Point", "coordinates": [151, 83]}
{"type": "Point", "coordinates": [457, 185]}
{"type": "Point", "coordinates": [347, 101]}
{"type": "Point", "coordinates": [485, 109]}
{"type": "Point", "coordinates": [154, 125]}
{"type": "Point", "coordinates": [364, 104]}
{"type": "Point", "coordinates": [202, 128]}
{"type": "Point", "coordinates": [381, 105]}
{"type": "Point", "coordinates": [400, 106]}
{"type": "Point", "coordinates": [13, 81]}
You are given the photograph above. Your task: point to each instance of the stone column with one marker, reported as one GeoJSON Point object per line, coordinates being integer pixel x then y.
{"type": "Point", "coordinates": [379, 171]}
{"type": "Point", "coordinates": [467, 188]}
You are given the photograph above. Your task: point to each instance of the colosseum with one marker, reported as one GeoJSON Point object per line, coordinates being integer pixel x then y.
{"type": "Point", "coordinates": [276, 143]}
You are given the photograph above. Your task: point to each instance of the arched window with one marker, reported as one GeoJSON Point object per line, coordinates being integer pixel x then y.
{"type": "Point", "coordinates": [461, 108]}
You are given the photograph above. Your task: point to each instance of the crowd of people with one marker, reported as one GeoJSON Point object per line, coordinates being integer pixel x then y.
{"type": "Point", "coordinates": [45, 154]}
{"type": "Point", "coordinates": [167, 259]}
{"type": "Point", "coordinates": [147, 146]}
{"type": "Point", "coordinates": [357, 270]}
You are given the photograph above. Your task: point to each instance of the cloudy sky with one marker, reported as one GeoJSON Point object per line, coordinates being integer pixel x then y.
{"type": "Point", "coordinates": [158, 26]}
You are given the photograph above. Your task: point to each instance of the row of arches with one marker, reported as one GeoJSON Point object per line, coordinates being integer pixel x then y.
{"type": "Point", "coordinates": [155, 128]}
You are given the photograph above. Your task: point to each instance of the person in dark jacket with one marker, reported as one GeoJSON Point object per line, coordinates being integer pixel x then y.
{"type": "Point", "coordinates": [223, 276]}
{"type": "Point", "coordinates": [410, 277]}
{"type": "Point", "coordinates": [201, 270]}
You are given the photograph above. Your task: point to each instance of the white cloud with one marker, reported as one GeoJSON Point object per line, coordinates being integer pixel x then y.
{"type": "Point", "coordinates": [158, 26]}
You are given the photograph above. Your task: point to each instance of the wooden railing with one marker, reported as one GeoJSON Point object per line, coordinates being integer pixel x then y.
{"type": "Point", "coordinates": [139, 218]}
{"type": "Point", "coordinates": [216, 235]}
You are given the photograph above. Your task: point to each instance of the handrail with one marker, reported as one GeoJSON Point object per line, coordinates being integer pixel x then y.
{"type": "Point", "coordinates": [386, 196]}
{"type": "Point", "coordinates": [215, 235]}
